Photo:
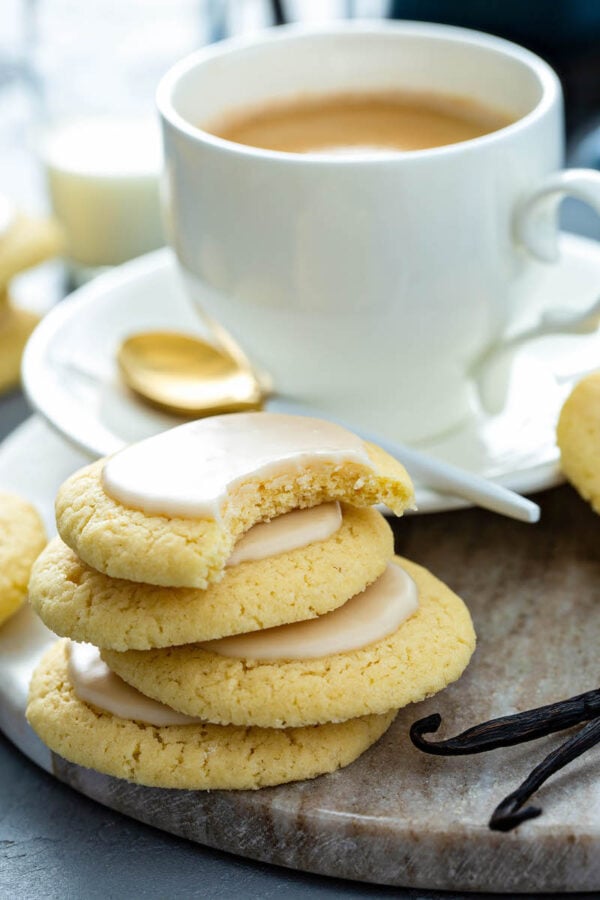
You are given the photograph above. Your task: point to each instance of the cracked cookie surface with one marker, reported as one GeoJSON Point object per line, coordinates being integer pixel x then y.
{"type": "Point", "coordinates": [427, 652]}
{"type": "Point", "coordinates": [578, 437]}
{"type": "Point", "coordinates": [184, 552]}
{"type": "Point", "coordinates": [77, 601]}
{"type": "Point", "coordinates": [22, 538]}
{"type": "Point", "coordinates": [192, 757]}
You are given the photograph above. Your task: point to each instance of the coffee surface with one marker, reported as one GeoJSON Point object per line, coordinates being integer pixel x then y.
{"type": "Point", "coordinates": [360, 122]}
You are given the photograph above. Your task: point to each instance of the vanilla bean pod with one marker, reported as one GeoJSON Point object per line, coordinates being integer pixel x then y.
{"type": "Point", "coordinates": [509, 813]}
{"type": "Point", "coordinates": [508, 731]}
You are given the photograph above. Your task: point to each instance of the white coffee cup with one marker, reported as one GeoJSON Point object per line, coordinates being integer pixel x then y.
{"type": "Point", "coordinates": [368, 286]}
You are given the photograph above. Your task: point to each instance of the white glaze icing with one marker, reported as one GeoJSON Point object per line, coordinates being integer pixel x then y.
{"type": "Point", "coordinates": [93, 682]}
{"type": "Point", "coordinates": [290, 531]}
{"type": "Point", "coordinates": [188, 470]}
{"type": "Point", "coordinates": [365, 618]}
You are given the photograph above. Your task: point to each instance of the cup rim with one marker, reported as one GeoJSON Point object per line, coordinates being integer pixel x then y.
{"type": "Point", "coordinates": [549, 82]}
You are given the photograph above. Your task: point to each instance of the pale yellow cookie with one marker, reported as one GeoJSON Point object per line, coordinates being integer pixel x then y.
{"type": "Point", "coordinates": [29, 240]}
{"type": "Point", "coordinates": [22, 538]}
{"type": "Point", "coordinates": [578, 436]}
{"type": "Point", "coordinates": [15, 327]}
{"type": "Point", "coordinates": [185, 552]}
{"type": "Point", "coordinates": [193, 757]}
{"type": "Point", "coordinates": [75, 600]}
{"type": "Point", "coordinates": [427, 652]}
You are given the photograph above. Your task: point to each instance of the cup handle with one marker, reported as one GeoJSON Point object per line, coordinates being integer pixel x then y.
{"type": "Point", "coordinates": [536, 216]}
{"type": "Point", "coordinates": [535, 229]}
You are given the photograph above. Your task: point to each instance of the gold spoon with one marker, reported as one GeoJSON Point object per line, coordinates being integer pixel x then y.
{"type": "Point", "coordinates": [188, 376]}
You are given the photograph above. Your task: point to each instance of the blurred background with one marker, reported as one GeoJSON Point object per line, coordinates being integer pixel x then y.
{"type": "Point", "coordinates": [67, 62]}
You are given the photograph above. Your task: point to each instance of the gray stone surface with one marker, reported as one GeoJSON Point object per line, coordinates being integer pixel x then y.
{"type": "Point", "coordinates": [13, 411]}
{"type": "Point", "coordinates": [57, 845]}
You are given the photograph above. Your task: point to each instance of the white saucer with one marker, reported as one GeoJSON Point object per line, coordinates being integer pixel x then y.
{"type": "Point", "coordinates": [70, 374]}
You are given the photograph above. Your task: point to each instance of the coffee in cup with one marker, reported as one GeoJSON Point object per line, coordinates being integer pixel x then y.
{"type": "Point", "coordinates": [370, 286]}
{"type": "Point", "coordinates": [351, 122]}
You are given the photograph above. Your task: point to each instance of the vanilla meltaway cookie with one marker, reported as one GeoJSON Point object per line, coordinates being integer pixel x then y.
{"type": "Point", "coordinates": [16, 326]}
{"type": "Point", "coordinates": [195, 756]}
{"type": "Point", "coordinates": [578, 436]}
{"type": "Point", "coordinates": [77, 601]}
{"type": "Point", "coordinates": [245, 619]}
{"type": "Point", "coordinates": [168, 510]}
{"type": "Point", "coordinates": [22, 538]}
{"type": "Point", "coordinates": [27, 242]}
{"type": "Point", "coordinates": [427, 651]}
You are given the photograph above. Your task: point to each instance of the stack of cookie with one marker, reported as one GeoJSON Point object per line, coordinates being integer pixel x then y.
{"type": "Point", "coordinates": [253, 625]}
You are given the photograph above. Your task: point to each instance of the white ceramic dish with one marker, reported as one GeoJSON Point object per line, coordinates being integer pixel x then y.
{"type": "Point", "coordinates": [70, 375]}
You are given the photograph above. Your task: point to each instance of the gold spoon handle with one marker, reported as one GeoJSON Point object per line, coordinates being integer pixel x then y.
{"type": "Point", "coordinates": [229, 344]}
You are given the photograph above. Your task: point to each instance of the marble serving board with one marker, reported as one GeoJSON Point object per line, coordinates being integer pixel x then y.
{"type": "Point", "coordinates": [397, 816]}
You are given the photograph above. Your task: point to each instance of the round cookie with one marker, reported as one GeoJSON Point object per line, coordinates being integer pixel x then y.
{"type": "Point", "coordinates": [192, 757]}
{"type": "Point", "coordinates": [76, 601]}
{"type": "Point", "coordinates": [29, 241]}
{"type": "Point", "coordinates": [22, 538]}
{"type": "Point", "coordinates": [184, 552]}
{"type": "Point", "coordinates": [15, 327]}
{"type": "Point", "coordinates": [427, 652]}
{"type": "Point", "coordinates": [578, 437]}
